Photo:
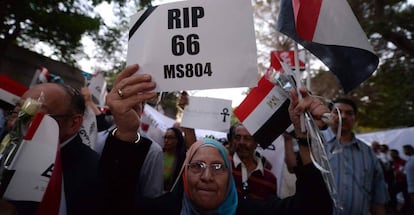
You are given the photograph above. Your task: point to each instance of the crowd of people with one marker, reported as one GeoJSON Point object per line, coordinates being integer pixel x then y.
{"type": "Point", "coordinates": [127, 172]}
{"type": "Point", "coordinates": [398, 176]}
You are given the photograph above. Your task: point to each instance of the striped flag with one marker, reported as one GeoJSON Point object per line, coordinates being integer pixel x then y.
{"type": "Point", "coordinates": [11, 90]}
{"type": "Point", "coordinates": [54, 201]}
{"type": "Point", "coordinates": [45, 76]}
{"type": "Point", "coordinates": [330, 31]}
{"type": "Point", "coordinates": [37, 170]}
{"type": "Point", "coordinates": [264, 112]}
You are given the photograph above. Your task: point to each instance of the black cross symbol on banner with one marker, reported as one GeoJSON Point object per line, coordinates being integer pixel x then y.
{"type": "Point", "coordinates": [225, 113]}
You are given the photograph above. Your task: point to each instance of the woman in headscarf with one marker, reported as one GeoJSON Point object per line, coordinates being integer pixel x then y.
{"type": "Point", "coordinates": [206, 185]}
{"type": "Point", "coordinates": [209, 186]}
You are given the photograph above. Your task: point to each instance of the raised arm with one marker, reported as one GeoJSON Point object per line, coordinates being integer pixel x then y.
{"type": "Point", "coordinates": [125, 101]}
{"type": "Point", "coordinates": [296, 109]}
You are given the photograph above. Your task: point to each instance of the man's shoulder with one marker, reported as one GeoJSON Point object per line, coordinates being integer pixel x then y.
{"type": "Point", "coordinates": [410, 163]}
{"type": "Point", "coordinates": [154, 147]}
{"type": "Point", "coordinates": [154, 151]}
{"type": "Point", "coordinates": [78, 148]}
{"type": "Point", "coordinates": [363, 146]}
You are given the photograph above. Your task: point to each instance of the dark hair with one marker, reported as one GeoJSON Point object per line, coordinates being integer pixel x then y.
{"type": "Point", "coordinates": [385, 146]}
{"type": "Point", "coordinates": [395, 151]}
{"type": "Point", "coordinates": [409, 148]}
{"type": "Point", "coordinates": [77, 102]}
{"type": "Point", "coordinates": [347, 101]}
{"type": "Point", "coordinates": [180, 153]}
{"type": "Point", "coordinates": [180, 138]}
{"type": "Point", "coordinates": [232, 131]}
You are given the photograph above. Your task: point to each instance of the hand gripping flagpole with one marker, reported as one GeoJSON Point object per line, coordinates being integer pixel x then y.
{"type": "Point", "coordinates": [286, 80]}
{"type": "Point", "coordinates": [298, 80]}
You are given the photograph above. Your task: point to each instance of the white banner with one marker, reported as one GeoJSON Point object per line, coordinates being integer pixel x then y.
{"type": "Point", "coordinates": [154, 124]}
{"type": "Point", "coordinates": [207, 113]}
{"type": "Point", "coordinates": [394, 138]}
{"type": "Point", "coordinates": [33, 163]}
{"type": "Point", "coordinates": [195, 44]}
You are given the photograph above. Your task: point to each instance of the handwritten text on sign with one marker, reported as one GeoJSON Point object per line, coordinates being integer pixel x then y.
{"type": "Point", "coordinates": [207, 113]}
{"type": "Point", "coordinates": [195, 44]}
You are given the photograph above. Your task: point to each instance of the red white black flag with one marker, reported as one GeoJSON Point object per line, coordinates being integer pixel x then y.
{"type": "Point", "coordinates": [330, 31]}
{"type": "Point", "coordinates": [264, 112]}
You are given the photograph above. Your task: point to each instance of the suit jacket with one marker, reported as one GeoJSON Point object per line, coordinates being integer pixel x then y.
{"type": "Point", "coordinates": [80, 177]}
{"type": "Point", "coordinates": [80, 168]}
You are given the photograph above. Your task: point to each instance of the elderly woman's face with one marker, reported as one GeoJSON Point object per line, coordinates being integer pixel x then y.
{"type": "Point", "coordinates": [208, 187]}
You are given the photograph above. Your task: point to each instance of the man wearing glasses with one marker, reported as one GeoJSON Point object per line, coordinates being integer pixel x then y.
{"type": "Point", "coordinates": [79, 162]}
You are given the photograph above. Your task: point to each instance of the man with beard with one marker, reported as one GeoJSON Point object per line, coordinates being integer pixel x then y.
{"type": "Point", "coordinates": [253, 181]}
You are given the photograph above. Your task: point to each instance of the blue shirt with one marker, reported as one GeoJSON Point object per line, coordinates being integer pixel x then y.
{"type": "Point", "coordinates": [409, 172]}
{"type": "Point", "coordinates": [358, 175]}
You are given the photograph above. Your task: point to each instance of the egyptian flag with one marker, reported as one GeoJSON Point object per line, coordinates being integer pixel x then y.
{"type": "Point", "coordinates": [264, 112]}
{"type": "Point", "coordinates": [330, 31]}
{"type": "Point", "coordinates": [11, 90]}
{"type": "Point", "coordinates": [35, 170]}
{"type": "Point", "coordinates": [54, 201]}
{"type": "Point", "coordinates": [46, 77]}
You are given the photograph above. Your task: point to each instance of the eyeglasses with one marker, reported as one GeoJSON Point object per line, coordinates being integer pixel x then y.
{"type": "Point", "coordinates": [200, 166]}
{"type": "Point", "coordinates": [169, 137]}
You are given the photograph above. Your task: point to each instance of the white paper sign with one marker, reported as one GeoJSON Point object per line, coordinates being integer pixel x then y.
{"type": "Point", "coordinates": [33, 164]}
{"type": "Point", "coordinates": [195, 44]}
{"type": "Point", "coordinates": [156, 119]}
{"type": "Point", "coordinates": [97, 87]}
{"type": "Point", "coordinates": [89, 130]}
{"type": "Point", "coordinates": [207, 113]}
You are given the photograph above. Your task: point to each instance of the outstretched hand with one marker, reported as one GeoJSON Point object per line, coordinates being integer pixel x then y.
{"type": "Point", "coordinates": [126, 100]}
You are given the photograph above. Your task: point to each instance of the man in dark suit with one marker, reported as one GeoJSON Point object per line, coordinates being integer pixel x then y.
{"type": "Point", "coordinates": [79, 162]}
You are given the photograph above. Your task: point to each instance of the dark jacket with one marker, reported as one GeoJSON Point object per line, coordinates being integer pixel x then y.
{"type": "Point", "coordinates": [79, 168]}
{"type": "Point", "coordinates": [311, 197]}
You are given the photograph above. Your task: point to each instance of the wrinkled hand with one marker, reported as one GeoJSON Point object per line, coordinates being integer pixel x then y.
{"type": "Point", "coordinates": [126, 98]}
{"type": "Point", "coordinates": [307, 103]}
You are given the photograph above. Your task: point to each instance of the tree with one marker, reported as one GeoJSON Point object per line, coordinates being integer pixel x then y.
{"type": "Point", "coordinates": [386, 100]}
{"type": "Point", "coordinates": [267, 37]}
{"type": "Point", "coordinates": [58, 24]}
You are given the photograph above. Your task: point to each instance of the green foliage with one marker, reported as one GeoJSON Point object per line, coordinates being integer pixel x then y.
{"type": "Point", "coordinates": [58, 24]}
{"type": "Point", "coordinates": [386, 100]}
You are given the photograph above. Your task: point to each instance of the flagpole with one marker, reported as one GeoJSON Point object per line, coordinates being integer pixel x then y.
{"type": "Point", "coordinates": [35, 77]}
{"type": "Point", "coordinates": [307, 66]}
{"type": "Point", "coordinates": [299, 85]}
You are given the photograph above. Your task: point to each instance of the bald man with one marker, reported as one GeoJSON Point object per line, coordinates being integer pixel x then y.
{"type": "Point", "coordinates": [79, 162]}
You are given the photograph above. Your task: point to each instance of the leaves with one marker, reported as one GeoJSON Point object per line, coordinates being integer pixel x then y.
{"type": "Point", "coordinates": [60, 25]}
